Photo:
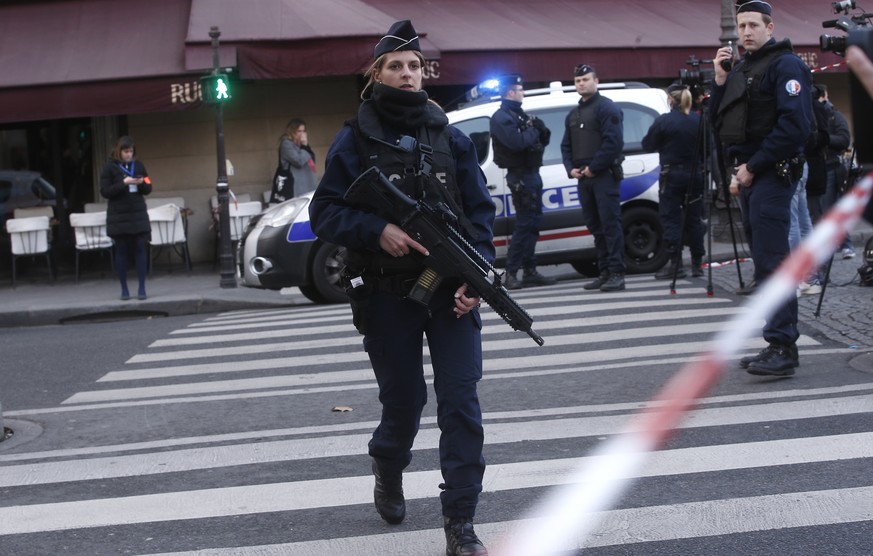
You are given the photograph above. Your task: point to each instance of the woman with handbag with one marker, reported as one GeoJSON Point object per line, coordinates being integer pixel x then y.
{"type": "Point", "coordinates": [295, 175]}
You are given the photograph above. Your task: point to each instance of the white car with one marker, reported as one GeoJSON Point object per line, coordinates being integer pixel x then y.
{"type": "Point", "coordinates": [280, 250]}
{"type": "Point", "coordinates": [563, 236]}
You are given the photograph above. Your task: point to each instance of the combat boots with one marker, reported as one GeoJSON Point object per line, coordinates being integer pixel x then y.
{"type": "Point", "coordinates": [388, 495]}
{"type": "Point", "coordinates": [599, 281]}
{"type": "Point", "coordinates": [666, 272]}
{"type": "Point", "coordinates": [696, 267]}
{"type": "Point", "coordinates": [614, 283]}
{"type": "Point", "coordinates": [511, 282]}
{"type": "Point", "coordinates": [461, 539]}
{"type": "Point", "coordinates": [773, 360]}
{"type": "Point", "coordinates": [533, 278]}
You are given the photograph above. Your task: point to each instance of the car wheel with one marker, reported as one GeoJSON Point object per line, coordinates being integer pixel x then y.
{"type": "Point", "coordinates": [310, 293]}
{"type": "Point", "coordinates": [327, 265]}
{"type": "Point", "coordinates": [586, 267]}
{"type": "Point", "coordinates": [644, 250]}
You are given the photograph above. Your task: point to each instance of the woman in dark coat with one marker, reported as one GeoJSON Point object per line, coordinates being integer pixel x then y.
{"type": "Point", "coordinates": [123, 182]}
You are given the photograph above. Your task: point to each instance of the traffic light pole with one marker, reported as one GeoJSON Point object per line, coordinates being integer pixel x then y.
{"type": "Point", "coordinates": [225, 254]}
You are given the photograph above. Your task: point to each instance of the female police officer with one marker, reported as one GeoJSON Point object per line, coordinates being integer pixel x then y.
{"type": "Point", "coordinates": [680, 206]}
{"type": "Point", "coordinates": [384, 262]}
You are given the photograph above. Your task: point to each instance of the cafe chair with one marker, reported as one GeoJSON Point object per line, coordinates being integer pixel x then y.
{"type": "Point", "coordinates": [96, 207]}
{"type": "Point", "coordinates": [90, 233]}
{"type": "Point", "coordinates": [30, 212]}
{"type": "Point", "coordinates": [29, 237]}
{"type": "Point", "coordinates": [232, 199]}
{"type": "Point", "coordinates": [168, 231]}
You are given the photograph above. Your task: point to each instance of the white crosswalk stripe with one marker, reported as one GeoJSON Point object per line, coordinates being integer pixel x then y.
{"type": "Point", "coordinates": [304, 357]}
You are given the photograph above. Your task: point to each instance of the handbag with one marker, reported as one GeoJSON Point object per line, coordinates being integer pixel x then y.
{"type": "Point", "coordinates": [283, 183]}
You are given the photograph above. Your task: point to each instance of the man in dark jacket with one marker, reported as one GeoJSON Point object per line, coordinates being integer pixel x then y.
{"type": "Point", "coordinates": [591, 151]}
{"type": "Point", "coordinates": [519, 141]}
{"type": "Point", "coordinates": [839, 140]}
{"type": "Point", "coordinates": [762, 110]}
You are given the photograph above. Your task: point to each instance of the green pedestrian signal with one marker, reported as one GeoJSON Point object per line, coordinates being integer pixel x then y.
{"type": "Point", "coordinates": [215, 88]}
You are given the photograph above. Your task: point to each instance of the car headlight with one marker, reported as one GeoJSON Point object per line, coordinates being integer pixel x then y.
{"type": "Point", "coordinates": [283, 213]}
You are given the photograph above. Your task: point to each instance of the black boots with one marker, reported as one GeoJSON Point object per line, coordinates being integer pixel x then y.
{"type": "Point", "coordinates": [388, 495]}
{"type": "Point", "coordinates": [461, 539]}
{"type": "Point", "coordinates": [773, 360]}
{"type": "Point", "coordinates": [531, 277]}
{"type": "Point", "coordinates": [666, 272]}
{"type": "Point", "coordinates": [511, 281]}
{"type": "Point", "coordinates": [614, 283]}
{"type": "Point", "coordinates": [696, 267]}
{"type": "Point", "coordinates": [595, 285]}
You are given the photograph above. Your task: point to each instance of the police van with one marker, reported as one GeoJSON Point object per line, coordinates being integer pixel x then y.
{"type": "Point", "coordinates": [563, 235]}
{"type": "Point", "coordinates": [279, 249]}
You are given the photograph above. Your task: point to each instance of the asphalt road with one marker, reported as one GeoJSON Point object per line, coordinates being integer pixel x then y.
{"type": "Point", "coordinates": [219, 435]}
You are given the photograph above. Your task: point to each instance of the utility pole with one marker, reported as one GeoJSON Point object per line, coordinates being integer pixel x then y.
{"type": "Point", "coordinates": [214, 88]}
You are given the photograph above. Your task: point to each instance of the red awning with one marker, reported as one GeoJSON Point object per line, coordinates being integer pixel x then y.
{"type": "Point", "coordinates": [73, 58]}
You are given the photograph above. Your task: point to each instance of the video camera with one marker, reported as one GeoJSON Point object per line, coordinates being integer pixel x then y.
{"type": "Point", "coordinates": [696, 79]}
{"type": "Point", "coordinates": [846, 23]}
{"type": "Point", "coordinates": [859, 32]}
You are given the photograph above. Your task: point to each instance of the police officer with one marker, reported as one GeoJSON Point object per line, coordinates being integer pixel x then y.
{"type": "Point", "coordinates": [440, 165]}
{"type": "Point", "coordinates": [762, 113]}
{"type": "Point", "coordinates": [591, 151]}
{"type": "Point", "coordinates": [519, 141]}
{"type": "Point", "coordinates": [680, 204]}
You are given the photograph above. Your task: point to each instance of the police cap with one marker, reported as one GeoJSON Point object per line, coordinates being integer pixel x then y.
{"type": "Point", "coordinates": [582, 69]}
{"type": "Point", "coordinates": [754, 6]}
{"type": "Point", "coordinates": [401, 36]}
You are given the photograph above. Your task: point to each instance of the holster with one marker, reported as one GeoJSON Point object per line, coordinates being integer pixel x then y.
{"type": "Point", "coordinates": [790, 169]}
{"type": "Point", "coordinates": [359, 288]}
{"type": "Point", "coordinates": [522, 200]}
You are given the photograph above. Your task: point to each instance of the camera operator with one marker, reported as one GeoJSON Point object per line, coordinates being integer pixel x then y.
{"type": "Point", "coordinates": [839, 139]}
{"type": "Point", "coordinates": [519, 141]}
{"type": "Point", "coordinates": [591, 150]}
{"type": "Point", "coordinates": [680, 205]}
{"type": "Point", "coordinates": [762, 111]}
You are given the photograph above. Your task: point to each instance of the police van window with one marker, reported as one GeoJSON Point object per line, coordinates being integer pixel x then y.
{"type": "Point", "coordinates": [479, 132]}
{"type": "Point", "coordinates": [637, 121]}
{"type": "Point", "coordinates": [554, 120]}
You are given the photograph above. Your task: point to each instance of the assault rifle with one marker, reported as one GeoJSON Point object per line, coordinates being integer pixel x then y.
{"type": "Point", "coordinates": [450, 253]}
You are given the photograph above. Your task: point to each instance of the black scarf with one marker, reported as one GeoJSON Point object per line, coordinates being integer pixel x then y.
{"type": "Point", "coordinates": [403, 110]}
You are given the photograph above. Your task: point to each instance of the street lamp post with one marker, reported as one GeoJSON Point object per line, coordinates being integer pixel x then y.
{"type": "Point", "coordinates": [728, 24]}
{"type": "Point", "coordinates": [218, 96]}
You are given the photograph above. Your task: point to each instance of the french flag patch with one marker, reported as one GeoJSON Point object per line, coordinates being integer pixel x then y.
{"type": "Point", "coordinates": [793, 87]}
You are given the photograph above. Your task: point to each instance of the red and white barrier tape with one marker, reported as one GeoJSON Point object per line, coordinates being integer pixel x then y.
{"type": "Point", "coordinates": [725, 263]}
{"type": "Point", "coordinates": [566, 517]}
{"type": "Point", "coordinates": [824, 68]}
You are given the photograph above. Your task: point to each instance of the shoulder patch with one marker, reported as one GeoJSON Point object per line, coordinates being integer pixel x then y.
{"type": "Point", "coordinates": [793, 87]}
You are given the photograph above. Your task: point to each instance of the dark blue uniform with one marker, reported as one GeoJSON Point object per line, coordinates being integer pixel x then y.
{"type": "Point", "coordinates": [396, 327]}
{"type": "Point", "coordinates": [527, 199]}
{"type": "Point", "coordinates": [674, 137]}
{"type": "Point", "coordinates": [766, 204]}
{"type": "Point", "coordinates": [599, 196]}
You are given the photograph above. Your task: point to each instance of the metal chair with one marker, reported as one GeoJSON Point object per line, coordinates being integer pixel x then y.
{"type": "Point", "coordinates": [90, 232]}
{"type": "Point", "coordinates": [29, 237]}
{"type": "Point", "coordinates": [168, 230]}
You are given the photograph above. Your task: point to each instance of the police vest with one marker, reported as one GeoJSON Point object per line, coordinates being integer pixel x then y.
{"type": "Point", "coordinates": [404, 170]}
{"type": "Point", "coordinates": [529, 159]}
{"type": "Point", "coordinates": [745, 112]}
{"type": "Point", "coordinates": [585, 136]}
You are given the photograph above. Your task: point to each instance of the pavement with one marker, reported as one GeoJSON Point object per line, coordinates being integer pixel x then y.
{"type": "Point", "coordinates": [846, 314]}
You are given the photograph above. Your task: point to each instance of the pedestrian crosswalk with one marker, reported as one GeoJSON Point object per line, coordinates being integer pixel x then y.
{"type": "Point", "coordinates": [220, 438]}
